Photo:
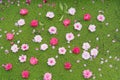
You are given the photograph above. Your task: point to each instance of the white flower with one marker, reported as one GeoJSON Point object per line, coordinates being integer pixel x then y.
{"type": "Point", "coordinates": [51, 61]}
{"type": "Point", "coordinates": [21, 22]}
{"type": "Point", "coordinates": [94, 52]}
{"type": "Point", "coordinates": [24, 47]}
{"type": "Point", "coordinates": [100, 17]}
{"type": "Point", "coordinates": [44, 47]}
{"type": "Point", "coordinates": [22, 58]}
{"type": "Point", "coordinates": [50, 14]}
{"type": "Point", "coordinates": [14, 48]}
{"type": "Point", "coordinates": [52, 30]}
{"type": "Point", "coordinates": [85, 55]}
{"type": "Point", "coordinates": [69, 36]}
{"type": "Point", "coordinates": [61, 50]}
{"type": "Point", "coordinates": [71, 11]}
{"type": "Point", "coordinates": [86, 46]}
{"type": "Point", "coordinates": [92, 28]}
{"type": "Point", "coordinates": [78, 26]}
{"type": "Point", "coordinates": [37, 38]}
{"type": "Point", "coordinates": [16, 24]}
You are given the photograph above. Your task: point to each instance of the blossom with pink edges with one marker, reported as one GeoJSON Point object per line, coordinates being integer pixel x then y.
{"type": "Point", "coordinates": [33, 61]}
{"type": "Point", "coordinates": [87, 74]}
{"type": "Point", "coordinates": [72, 11]}
{"type": "Point", "coordinates": [25, 47]}
{"type": "Point", "coordinates": [22, 58]}
{"type": "Point", "coordinates": [37, 38]}
{"type": "Point", "coordinates": [100, 17]}
{"type": "Point", "coordinates": [85, 55]}
{"type": "Point", "coordinates": [78, 26]}
{"type": "Point", "coordinates": [92, 28]}
{"type": "Point", "coordinates": [69, 37]}
{"type": "Point", "coordinates": [94, 52]}
{"type": "Point", "coordinates": [86, 46]}
{"type": "Point", "coordinates": [52, 30]}
{"type": "Point", "coordinates": [50, 14]}
{"type": "Point", "coordinates": [20, 22]}
{"type": "Point", "coordinates": [47, 76]}
{"type": "Point", "coordinates": [14, 48]}
{"type": "Point", "coordinates": [44, 47]}
{"type": "Point", "coordinates": [62, 50]}
{"type": "Point", "coordinates": [51, 61]}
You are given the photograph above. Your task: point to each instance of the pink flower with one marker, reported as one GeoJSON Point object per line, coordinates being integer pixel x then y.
{"type": "Point", "coordinates": [24, 47]}
{"type": "Point", "coordinates": [44, 47]}
{"type": "Point", "coordinates": [87, 74]}
{"type": "Point", "coordinates": [50, 14]}
{"type": "Point", "coordinates": [14, 48]}
{"type": "Point", "coordinates": [77, 26]}
{"type": "Point", "coordinates": [72, 11]}
{"type": "Point", "coordinates": [8, 66]}
{"type": "Point", "coordinates": [21, 22]}
{"type": "Point", "coordinates": [67, 65]}
{"type": "Point", "coordinates": [100, 17]}
{"type": "Point", "coordinates": [85, 55]}
{"type": "Point", "coordinates": [44, 1]}
{"type": "Point", "coordinates": [47, 76]}
{"type": "Point", "coordinates": [34, 23]}
{"type": "Point", "coordinates": [66, 22]}
{"type": "Point", "coordinates": [69, 37]}
{"type": "Point", "coordinates": [76, 50]}
{"type": "Point", "coordinates": [25, 74]}
{"type": "Point", "coordinates": [22, 58]}
{"type": "Point", "coordinates": [37, 38]}
{"type": "Point", "coordinates": [33, 60]}
{"type": "Point", "coordinates": [28, 1]}
{"type": "Point", "coordinates": [62, 50]}
{"type": "Point", "coordinates": [52, 30]}
{"type": "Point", "coordinates": [23, 11]}
{"type": "Point", "coordinates": [92, 28]}
{"type": "Point", "coordinates": [9, 36]}
{"type": "Point", "coordinates": [40, 5]}
{"type": "Point", "coordinates": [87, 17]}
{"type": "Point", "coordinates": [51, 61]}
{"type": "Point", "coordinates": [86, 46]}
{"type": "Point", "coordinates": [53, 41]}
{"type": "Point", "coordinates": [94, 52]}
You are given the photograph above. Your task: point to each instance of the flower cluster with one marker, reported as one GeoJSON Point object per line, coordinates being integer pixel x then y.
{"type": "Point", "coordinates": [88, 52]}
